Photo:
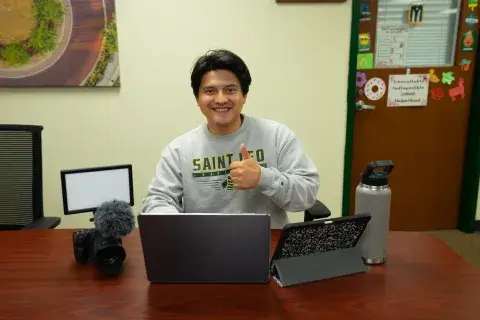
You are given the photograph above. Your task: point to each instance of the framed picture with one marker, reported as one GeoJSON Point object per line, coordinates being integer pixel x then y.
{"type": "Point", "coordinates": [58, 43]}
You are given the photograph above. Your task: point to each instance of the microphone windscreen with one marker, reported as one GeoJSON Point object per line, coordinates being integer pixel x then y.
{"type": "Point", "coordinates": [114, 219]}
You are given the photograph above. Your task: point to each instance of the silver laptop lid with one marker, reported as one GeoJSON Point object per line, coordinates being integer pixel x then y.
{"type": "Point", "coordinates": [206, 247]}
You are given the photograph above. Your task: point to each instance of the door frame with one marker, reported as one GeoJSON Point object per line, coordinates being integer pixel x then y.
{"type": "Point", "coordinates": [471, 170]}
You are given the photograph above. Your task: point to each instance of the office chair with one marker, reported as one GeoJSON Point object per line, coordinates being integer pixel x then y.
{"type": "Point", "coordinates": [318, 211]}
{"type": "Point", "coordinates": [21, 186]}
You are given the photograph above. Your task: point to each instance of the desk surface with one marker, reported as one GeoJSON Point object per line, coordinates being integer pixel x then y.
{"type": "Point", "coordinates": [423, 279]}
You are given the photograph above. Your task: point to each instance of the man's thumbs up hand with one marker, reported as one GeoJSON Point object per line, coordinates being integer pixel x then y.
{"type": "Point", "coordinates": [244, 152]}
{"type": "Point", "coordinates": [245, 174]}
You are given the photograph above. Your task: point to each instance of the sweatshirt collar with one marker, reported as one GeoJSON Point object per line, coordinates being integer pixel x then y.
{"type": "Point", "coordinates": [240, 130]}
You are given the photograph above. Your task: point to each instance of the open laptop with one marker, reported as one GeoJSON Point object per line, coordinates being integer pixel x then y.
{"type": "Point", "coordinates": [206, 247]}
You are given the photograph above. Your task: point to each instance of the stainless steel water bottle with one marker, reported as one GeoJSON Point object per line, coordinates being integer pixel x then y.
{"type": "Point", "coordinates": [373, 195]}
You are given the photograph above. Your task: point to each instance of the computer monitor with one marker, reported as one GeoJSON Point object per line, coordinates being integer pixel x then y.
{"type": "Point", "coordinates": [84, 190]}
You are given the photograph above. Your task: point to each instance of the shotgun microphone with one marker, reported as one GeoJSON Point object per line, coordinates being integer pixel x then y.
{"type": "Point", "coordinates": [114, 219]}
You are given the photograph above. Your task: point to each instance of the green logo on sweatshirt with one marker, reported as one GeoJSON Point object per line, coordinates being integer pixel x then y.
{"type": "Point", "coordinates": [212, 170]}
{"type": "Point", "coordinates": [228, 184]}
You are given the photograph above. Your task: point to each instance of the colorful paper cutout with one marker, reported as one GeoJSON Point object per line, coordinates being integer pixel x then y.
{"type": "Point", "coordinates": [448, 77]}
{"type": "Point", "coordinates": [361, 79]}
{"type": "Point", "coordinates": [472, 4]}
{"type": "Point", "coordinates": [364, 42]}
{"type": "Point", "coordinates": [469, 40]}
{"type": "Point", "coordinates": [375, 89]}
{"type": "Point", "coordinates": [365, 11]}
{"type": "Point", "coordinates": [433, 77]}
{"type": "Point", "coordinates": [471, 20]}
{"type": "Point", "coordinates": [437, 93]}
{"type": "Point", "coordinates": [465, 64]}
{"type": "Point", "coordinates": [364, 61]}
{"type": "Point", "coordinates": [458, 90]}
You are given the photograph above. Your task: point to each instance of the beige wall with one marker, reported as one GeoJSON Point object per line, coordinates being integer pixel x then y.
{"type": "Point", "coordinates": [298, 56]}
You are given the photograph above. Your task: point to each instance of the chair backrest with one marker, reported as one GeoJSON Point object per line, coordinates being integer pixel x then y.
{"type": "Point", "coordinates": [21, 187]}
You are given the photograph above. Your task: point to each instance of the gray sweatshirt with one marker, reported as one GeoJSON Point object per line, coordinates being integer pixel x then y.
{"type": "Point", "coordinates": [192, 175]}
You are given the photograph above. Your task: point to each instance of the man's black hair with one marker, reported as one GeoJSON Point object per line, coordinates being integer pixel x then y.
{"type": "Point", "coordinates": [220, 60]}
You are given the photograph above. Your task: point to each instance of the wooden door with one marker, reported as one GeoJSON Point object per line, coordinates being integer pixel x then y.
{"type": "Point", "coordinates": [414, 79]}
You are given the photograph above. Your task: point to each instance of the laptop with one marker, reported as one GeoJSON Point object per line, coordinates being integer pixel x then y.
{"type": "Point", "coordinates": [206, 247]}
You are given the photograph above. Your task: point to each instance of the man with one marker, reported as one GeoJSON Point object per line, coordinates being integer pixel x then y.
{"type": "Point", "coordinates": [234, 163]}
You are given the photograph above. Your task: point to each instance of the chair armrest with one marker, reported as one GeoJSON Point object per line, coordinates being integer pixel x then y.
{"type": "Point", "coordinates": [318, 211]}
{"type": "Point", "coordinates": [43, 223]}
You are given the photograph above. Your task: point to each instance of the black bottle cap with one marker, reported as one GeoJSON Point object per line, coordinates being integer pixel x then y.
{"type": "Point", "coordinates": [377, 173]}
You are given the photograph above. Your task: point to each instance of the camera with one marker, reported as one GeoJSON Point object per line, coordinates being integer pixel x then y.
{"type": "Point", "coordinates": [106, 253]}
{"type": "Point", "coordinates": [102, 245]}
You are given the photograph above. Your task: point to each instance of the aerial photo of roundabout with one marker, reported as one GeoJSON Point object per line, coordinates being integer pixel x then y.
{"type": "Point", "coordinates": [58, 43]}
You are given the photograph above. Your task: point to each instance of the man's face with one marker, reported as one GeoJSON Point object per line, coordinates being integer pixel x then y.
{"type": "Point", "coordinates": [221, 100]}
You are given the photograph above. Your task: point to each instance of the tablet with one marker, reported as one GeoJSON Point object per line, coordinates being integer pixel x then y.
{"type": "Point", "coordinates": [311, 237]}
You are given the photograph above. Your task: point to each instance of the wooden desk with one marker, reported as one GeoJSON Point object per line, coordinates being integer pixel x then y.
{"type": "Point", "coordinates": [423, 279]}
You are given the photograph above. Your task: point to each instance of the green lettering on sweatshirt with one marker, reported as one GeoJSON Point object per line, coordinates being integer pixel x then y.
{"type": "Point", "coordinates": [220, 165]}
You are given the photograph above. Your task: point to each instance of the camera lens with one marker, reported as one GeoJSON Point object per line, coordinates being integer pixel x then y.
{"type": "Point", "coordinates": [111, 255]}
{"type": "Point", "coordinates": [109, 259]}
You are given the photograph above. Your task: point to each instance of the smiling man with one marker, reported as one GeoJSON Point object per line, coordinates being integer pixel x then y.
{"type": "Point", "coordinates": [234, 163]}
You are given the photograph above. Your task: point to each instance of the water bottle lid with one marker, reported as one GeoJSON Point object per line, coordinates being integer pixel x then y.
{"type": "Point", "coordinates": [377, 173]}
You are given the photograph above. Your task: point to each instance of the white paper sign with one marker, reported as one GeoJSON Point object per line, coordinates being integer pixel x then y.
{"type": "Point", "coordinates": [407, 90]}
{"type": "Point", "coordinates": [391, 45]}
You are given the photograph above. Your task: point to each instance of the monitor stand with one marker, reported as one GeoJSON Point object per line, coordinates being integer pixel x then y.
{"type": "Point", "coordinates": [92, 218]}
